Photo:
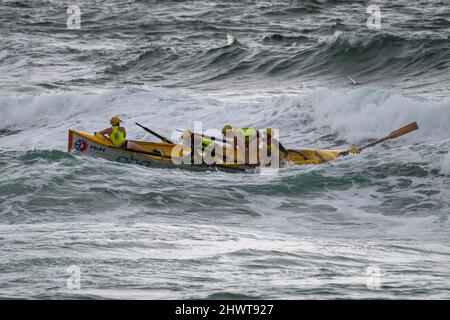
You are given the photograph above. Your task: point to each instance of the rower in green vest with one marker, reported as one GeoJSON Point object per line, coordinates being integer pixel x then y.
{"type": "Point", "coordinates": [248, 135]}
{"type": "Point", "coordinates": [188, 135]}
{"type": "Point", "coordinates": [195, 140]}
{"type": "Point", "coordinates": [117, 135]}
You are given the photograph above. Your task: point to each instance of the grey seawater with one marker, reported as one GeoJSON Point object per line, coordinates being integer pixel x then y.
{"type": "Point", "coordinates": [162, 260]}
{"type": "Point", "coordinates": [276, 45]}
{"type": "Point", "coordinates": [368, 226]}
{"type": "Point", "coordinates": [134, 232]}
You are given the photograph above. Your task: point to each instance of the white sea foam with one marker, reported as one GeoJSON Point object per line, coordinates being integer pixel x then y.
{"type": "Point", "coordinates": [350, 114]}
{"type": "Point", "coordinates": [366, 113]}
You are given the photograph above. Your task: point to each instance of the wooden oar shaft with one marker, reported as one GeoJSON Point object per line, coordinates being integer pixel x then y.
{"type": "Point", "coordinates": [213, 138]}
{"type": "Point", "coordinates": [208, 137]}
{"type": "Point", "coordinates": [371, 144]}
{"type": "Point", "coordinates": [155, 134]}
{"type": "Point", "coordinates": [394, 134]}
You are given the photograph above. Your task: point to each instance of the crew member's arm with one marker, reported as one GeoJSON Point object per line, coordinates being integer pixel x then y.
{"type": "Point", "coordinates": [106, 131]}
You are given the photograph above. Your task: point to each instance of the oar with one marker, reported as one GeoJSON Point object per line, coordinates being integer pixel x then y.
{"type": "Point", "coordinates": [283, 149]}
{"type": "Point", "coordinates": [208, 137]}
{"type": "Point", "coordinates": [155, 134]}
{"type": "Point", "coordinates": [280, 146]}
{"type": "Point", "coordinates": [394, 134]}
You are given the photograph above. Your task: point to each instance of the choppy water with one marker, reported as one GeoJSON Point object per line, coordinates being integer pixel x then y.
{"type": "Point", "coordinates": [329, 231]}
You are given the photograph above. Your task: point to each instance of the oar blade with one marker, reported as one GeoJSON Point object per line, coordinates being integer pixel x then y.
{"type": "Point", "coordinates": [402, 131]}
{"type": "Point", "coordinates": [394, 134]}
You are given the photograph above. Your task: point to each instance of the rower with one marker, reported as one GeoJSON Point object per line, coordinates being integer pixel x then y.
{"type": "Point", "coordinates": [247, 135]}
{"type": "Point", "coordinates": [117, 135]}
{"type": "Point", "coordinates": [276, 147]}
{"type": "Point", "coordinates": [187, 136]}
{"type": "Point", "coordinates": [194, 141]}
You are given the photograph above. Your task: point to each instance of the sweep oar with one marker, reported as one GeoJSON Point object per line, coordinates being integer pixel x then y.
{"type": "Point", "coordinates": [394, 134]}
{"type": "Point", "coordinates": [164, 139]}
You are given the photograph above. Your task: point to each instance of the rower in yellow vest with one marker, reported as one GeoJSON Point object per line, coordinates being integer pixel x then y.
{"type": "Point", "coordinates": [194, 140]}
{"type": "Point", "coordinates": [187, 135]}
{"type": "Point", "coordinates": [117, 135]}
{"type": "Point", "coordinates": [274, 147]}
{"type": "Point", "coordinates": [248, 135]}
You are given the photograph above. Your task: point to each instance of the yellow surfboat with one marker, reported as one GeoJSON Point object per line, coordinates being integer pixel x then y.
{"type": "Point", "coordinates": [159, 154]}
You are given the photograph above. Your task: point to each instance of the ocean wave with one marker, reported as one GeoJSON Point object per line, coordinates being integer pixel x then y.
{"type": "Point", "coordinates": [163, 63]}
{"type": "Point", "coordinates": [367, 57]}
{"type": "Point", "coordinates": [315, 117]}
{"type": "Point", "coordinates": [364, 113]}
{"type": "Point", "coordinates": [274, 43]}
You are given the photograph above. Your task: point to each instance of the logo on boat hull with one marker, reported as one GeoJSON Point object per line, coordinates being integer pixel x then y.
{"type": "Point", "coordinates": [132, 160]}
{"type": "Point", "coordinates": [81, 145]}
{"type": "Point", "coordinates": [97, 149]}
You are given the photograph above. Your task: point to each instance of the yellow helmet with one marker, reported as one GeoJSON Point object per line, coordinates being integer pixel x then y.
{"type": "Point", "coordinates": [225, 128]}
{"type": "Point", "coordinates": [186, 135]}
{"type": "Point", "coordinates": [269, 132]}
{"type": "Point", "coordinates": [115, 121]}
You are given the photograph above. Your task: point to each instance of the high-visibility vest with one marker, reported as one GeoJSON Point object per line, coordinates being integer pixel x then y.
{"type": "Point", "coordinates": [117, 137]}
{"type": "Point", "coordinates": [206, 142]}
